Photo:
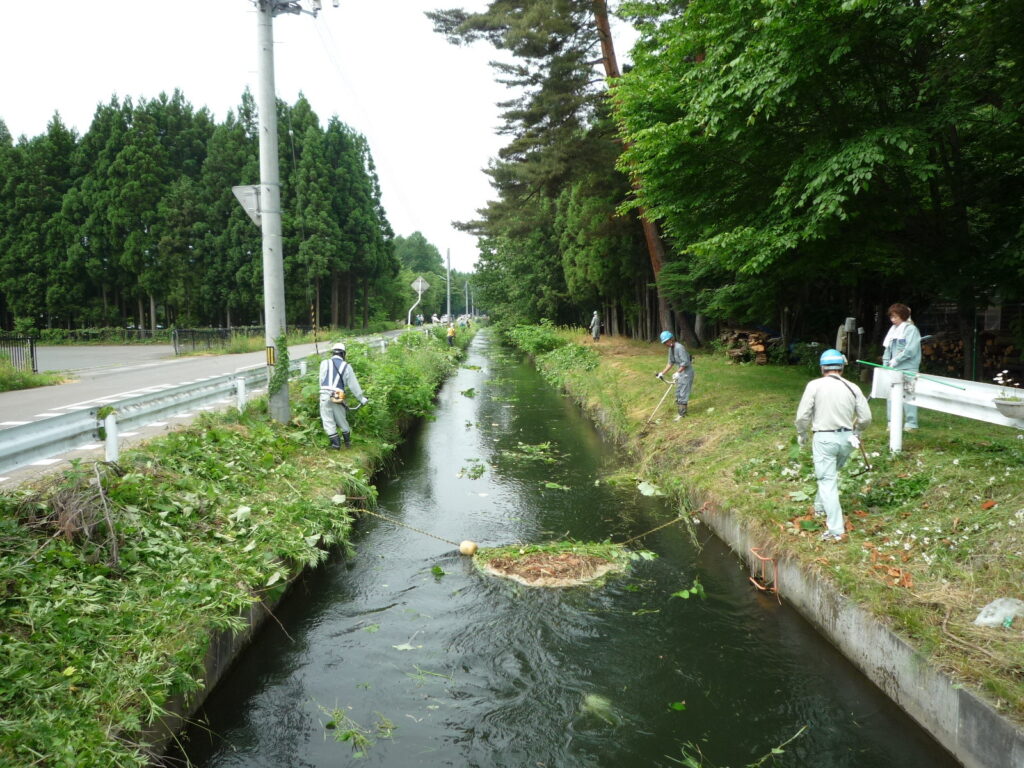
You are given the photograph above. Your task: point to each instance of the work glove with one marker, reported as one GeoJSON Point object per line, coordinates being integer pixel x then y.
{"type": "Point", "coordinates": [675, 376]}
{"type": "Point", "coordinates": [659, 375]}
{"type": "Point", "coordinates": [364, 401]}
{"type": "Point", "coordinates": [801, 439]}
{"type": "Point", "coordinates": [855, 440]}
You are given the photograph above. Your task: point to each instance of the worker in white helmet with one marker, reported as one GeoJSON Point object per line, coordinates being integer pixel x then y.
{"type": "Point", "coordinates": [338, 388]}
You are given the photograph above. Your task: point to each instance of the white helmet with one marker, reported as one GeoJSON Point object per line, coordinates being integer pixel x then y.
{"type": "Point", "coordinates": [338, 348]}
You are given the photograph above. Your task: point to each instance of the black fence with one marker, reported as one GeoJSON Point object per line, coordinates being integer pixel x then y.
{"type": "Point", "coordinates": [187, 340]}
{"type": "Point", "coordinates": [103, 336]}
{"type": "Point", "coordinates": [21, 351]}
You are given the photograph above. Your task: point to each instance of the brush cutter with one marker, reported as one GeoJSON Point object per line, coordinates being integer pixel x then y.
{"type": "Point", "coordinates": [668, 389]}
{"type": "Point", "coordinates": [867, 462]}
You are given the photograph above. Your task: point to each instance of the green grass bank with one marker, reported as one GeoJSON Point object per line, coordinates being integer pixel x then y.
{"type": "Point", "coordinates": [114, 578]}
{"type": "Point", "coordinates": [937, 531]}
{"type": "Point", "coordinates": [12, 378]}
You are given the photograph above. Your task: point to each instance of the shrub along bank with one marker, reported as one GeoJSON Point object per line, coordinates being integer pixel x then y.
{"type": "Point", "coordinates": [936, 532]}
{"type": "Point", "coordinates": [112, 577]}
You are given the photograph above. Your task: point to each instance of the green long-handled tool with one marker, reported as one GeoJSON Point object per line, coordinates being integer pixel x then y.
{"type": "Point", "coordinates": [915, 374]}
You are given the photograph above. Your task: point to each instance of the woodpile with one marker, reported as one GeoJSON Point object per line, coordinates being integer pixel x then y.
{"type": "Point", "coordinates": [998, 356]}
{"type": "Point", "coordinates": [743, 346]}
{"type": "Point", "coordinates": [944, 355]}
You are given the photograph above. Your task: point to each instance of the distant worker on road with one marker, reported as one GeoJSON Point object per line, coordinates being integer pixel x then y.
{"type": "Point", "coordinates": [338, 387]}
{"type": "Point", "coordinates": [679, 359]}
{"type": "Point", "coordinates": [595, 326]}
{"type": "Point", "coordinates": [836, 412]}
{"type": "Point", "coordinates": [451, 334]}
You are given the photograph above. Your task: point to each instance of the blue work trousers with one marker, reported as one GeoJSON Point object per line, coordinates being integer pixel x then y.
{"type": "Point", "coordinates": [830, 451]}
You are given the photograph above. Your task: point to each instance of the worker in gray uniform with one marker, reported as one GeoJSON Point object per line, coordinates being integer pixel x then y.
{"type": "Point", "coordinates": [679, 359]}
{"type": "Point", "coordinates": [338, 388]}
{"type": "Point", "coordinates": [835, 411]}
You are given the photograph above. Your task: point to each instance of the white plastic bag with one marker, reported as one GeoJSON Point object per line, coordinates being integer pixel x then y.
{"type": "Point", "coordinates": [998, 611]}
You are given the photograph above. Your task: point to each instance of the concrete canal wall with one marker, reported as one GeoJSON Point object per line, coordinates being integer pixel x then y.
{"type": "Point", "coordinates": [974, 732]}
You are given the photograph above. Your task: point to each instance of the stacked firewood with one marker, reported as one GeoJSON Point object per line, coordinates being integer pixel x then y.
{"type": "Point", "coordinates": [999, 356]}
{"type": "Point", "coordinates": [945, 355]}
{"type": "Point", "coordinates": [744, 346]}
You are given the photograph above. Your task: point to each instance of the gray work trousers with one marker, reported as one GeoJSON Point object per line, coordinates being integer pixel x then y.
{"type": "Point", "coordinates": [683, 386]}
{"type": "Point", "coordinates": [333, 416]}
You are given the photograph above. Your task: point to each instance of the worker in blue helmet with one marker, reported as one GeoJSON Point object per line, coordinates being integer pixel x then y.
{"type": "Point", "coordinates": [835, 411]}
{"type": "Point", "coordinates": [680, 360]}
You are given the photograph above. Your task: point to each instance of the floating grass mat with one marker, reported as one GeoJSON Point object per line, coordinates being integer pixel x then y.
{"type": "Point", "coordinates": [557, 563]}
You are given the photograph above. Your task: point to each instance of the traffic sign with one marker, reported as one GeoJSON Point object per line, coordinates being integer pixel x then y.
{"type": "Point", "coordinates": [420, 285]}
{"type": "Point", "coordinates": [249, 197]}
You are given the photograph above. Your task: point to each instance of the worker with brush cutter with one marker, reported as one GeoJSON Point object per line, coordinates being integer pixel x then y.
{"type": "Point", "coordinates": [680, 359]}
{"type": "Point", "coordinates": [836, 411]}
{"type": "Point", "coordinates": [338, 386]}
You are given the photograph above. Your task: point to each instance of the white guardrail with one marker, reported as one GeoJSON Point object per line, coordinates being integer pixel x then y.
{"type": "Point", "coordinates": [27, 443]}
{"type": "Point", "coordinates": [960, 397]}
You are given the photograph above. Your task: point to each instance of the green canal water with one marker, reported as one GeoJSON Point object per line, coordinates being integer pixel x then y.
{"type": "Point", "coordinates": [463, 669]}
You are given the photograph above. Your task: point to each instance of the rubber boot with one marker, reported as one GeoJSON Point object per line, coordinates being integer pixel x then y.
{"type": "Point", "coordinates": [682, 413]}
{"type": "Point", "coordinates": [335, 442]}
{"type": "Point", "coordinates": [348, 439]}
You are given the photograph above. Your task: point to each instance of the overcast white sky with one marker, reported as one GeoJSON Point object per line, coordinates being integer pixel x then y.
{"type": "Point", "coordinates": [426, 107]}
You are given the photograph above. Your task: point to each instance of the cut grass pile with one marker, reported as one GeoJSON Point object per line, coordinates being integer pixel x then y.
{"type": "Point", "coordinates": [556, 563]}
{"type": "Point", "coordinates": [935, 532]}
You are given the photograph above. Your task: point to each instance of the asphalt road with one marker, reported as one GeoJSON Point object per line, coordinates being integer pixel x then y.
{"type": "Point", "coordinates": [106, 374]}
{"type": "Point", "coordinates": [116, 372]}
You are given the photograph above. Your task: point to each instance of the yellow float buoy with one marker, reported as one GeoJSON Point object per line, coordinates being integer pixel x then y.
{"type": "Point", "coordinates": [468, 547]}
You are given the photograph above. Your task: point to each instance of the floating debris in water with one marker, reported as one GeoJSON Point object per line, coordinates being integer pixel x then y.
{"type": "Point", "coordinates": [557, 564]}
{"type": "Point", "coordinates": [600, 707]}
{"type": "Point", "coordinates": [649, 489]}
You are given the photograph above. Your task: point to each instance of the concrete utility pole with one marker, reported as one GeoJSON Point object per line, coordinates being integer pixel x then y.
{"type": "Point", "coordinates": [270, 199]}
{"type": "Point", "coordinates": [268, 193]}
{"type": "Point", "coordinates": [448, 253]}
{"type": "Point", "coordinates": [466, 286]}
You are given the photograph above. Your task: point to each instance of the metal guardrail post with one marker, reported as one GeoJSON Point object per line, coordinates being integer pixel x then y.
{"type": "Point", "coordinates": [895, 407]}
{"type": "Point", "coordinates": [302, 368]}
{"type": "Point", "coordinates": [110, 429]}
{"type": "Point", "coordinates": [240, 393]}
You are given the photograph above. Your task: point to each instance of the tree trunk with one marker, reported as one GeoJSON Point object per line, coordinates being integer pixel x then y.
{"type": "Point", "coordinates": [968, 312]}
{"type": "Point", "coordinates": [335, 309]}
{"type": "Point", "coordinates": [366, 303]}
{"type": "Point", "coordinates": [142, 315]}
{"type": "Point", "coordinates": [316, 310]}
{"type": "Point", "coordinates": [347, 301]}
{"type": "Point", "coordinates": [152, 312]}
{"type": "Point", "coordinates": [655, 245]}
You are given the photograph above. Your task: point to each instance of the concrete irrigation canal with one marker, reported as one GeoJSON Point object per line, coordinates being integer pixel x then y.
{"type": "Point", "coordinates": [406, 655]}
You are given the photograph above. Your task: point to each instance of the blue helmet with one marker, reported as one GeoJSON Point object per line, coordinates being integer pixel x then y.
{"type": "Point", "coordinates": [832, 358]}
{"type": "Point", "coordinates": [666, 336]}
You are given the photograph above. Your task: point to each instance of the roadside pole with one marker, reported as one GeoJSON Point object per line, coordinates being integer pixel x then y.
{"type": "Point", "coordinates": [270, 202]}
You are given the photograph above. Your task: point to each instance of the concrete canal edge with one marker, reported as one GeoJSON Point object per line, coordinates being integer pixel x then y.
{"type": "Point", "coordinates": [225, 647]}
{"type": "Point", "coordinates": [973, 732]}
{"type": "Point", "coordinates": [960, 720]}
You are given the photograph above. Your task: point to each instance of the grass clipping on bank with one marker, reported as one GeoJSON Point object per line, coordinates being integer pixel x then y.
{"type": "Point", "coordinates": [557, 563]}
